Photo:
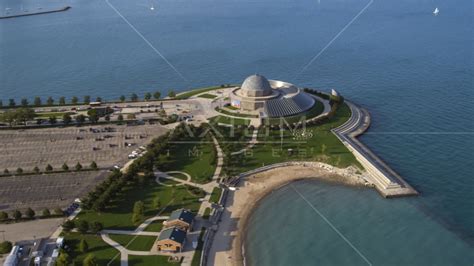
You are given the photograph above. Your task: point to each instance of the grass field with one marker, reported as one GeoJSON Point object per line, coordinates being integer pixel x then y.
{"type": "Point", "coordinates": [215, 195]}
{"type": "Point", "coordinates": [155, 226]}
{"type": "Point", "coordinates": [229, 120]}
{"type": "Point", "coordinates": [188, 94]}
{"type": "Point", "coordinates": [101, 250]}
{"type": "Point", "coordinates": [135, 243]}
{"type": "Point", "coordinates": [207, 96]}
{"type": "Point", "coordinates": [119, 215]}
{"type": "Point", "coordinates": [194, 158]}
{"type": "Point", "coordinates": [323, 146]}
{"type": "Point", "coordinates": [46, 115]}
{"type": "Point", "coordinates": [150, 261]}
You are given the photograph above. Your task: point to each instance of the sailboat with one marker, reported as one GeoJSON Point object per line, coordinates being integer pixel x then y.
{"type": "Point", "coordinates": [436, 11]}
{"type": "Point", "coordinates": [152, 7]}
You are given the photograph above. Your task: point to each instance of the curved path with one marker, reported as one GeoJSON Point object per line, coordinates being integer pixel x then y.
{"type": "Point", "coordinates": [386, 180]}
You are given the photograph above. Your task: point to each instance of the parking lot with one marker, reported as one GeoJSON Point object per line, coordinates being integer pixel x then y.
{"type": "Point", "coordinates": [46, 191]}
{"type": "Point", "coordinates": [106, 145]}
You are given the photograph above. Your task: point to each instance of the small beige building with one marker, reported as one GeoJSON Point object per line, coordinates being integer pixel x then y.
{"type": "Point", "coordinates": [181, 218]}
{"type": "Point", "coordinates": [171, 240]}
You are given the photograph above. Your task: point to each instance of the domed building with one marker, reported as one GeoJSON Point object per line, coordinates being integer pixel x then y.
{"type": "Point", "coordinates": [270, 98]}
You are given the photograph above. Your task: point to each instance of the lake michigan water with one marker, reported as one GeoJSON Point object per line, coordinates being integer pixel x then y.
{"type": "Point", "coordinates": [412, 70]}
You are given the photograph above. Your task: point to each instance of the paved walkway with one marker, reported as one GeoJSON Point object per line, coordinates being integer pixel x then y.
{"type": "Point", "coordinates": [386, 180]}
{"type": "Point", "coordinates": [252, 143]}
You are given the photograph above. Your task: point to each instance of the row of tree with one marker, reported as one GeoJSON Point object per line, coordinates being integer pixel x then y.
{"type": "Point", "coordinates": [50, 101]}
{"type": "Point", "coordinates": [49, 168]}
{"type": "Point", "coordinates": [28, 214]}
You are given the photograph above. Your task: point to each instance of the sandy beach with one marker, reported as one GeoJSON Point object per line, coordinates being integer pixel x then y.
{"type": "Point", "coordinates": [226, 247]}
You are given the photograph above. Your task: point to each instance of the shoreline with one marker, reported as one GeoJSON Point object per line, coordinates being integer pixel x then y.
{"type": "Point", "coordinates": [227, 246]}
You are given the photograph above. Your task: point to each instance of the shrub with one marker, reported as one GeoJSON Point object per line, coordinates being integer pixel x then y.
{"type": "Point", "coordinates": [45, 213]}
{"type": "Point", "coordinates": [3, 216]}
{"type": "Point", "coordinates": [16, 214]}
{"type": "Point", "coordinates": [90, 261]}
{"type": "Point", "coordinates": [82, 226]}
{"type": "Point", "coordinates": [96, 227]}
{"type": "Point", "coordinates": [65, 167]}
{"type": "Point", "coordinates": [49, 168]}
{"type": "Point", "coordinates": [83, 246]}
{"type": "Point", "coordinates": [5, 247]}
{"type": "Point", "coordinates": [29, 213]}
{"type": "Point", "coordinates": [68, 225]}
{"type": "Point", "coordinates": [58, 211]}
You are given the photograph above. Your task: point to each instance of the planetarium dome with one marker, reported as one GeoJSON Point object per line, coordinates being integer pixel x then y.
{"type": "Point", "coordinates": [256, 86]}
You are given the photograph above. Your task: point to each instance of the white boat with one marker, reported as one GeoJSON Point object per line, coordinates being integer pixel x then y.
{"type": "Point", "coordinates": [436, 11]}
{"type": "Point", "coordinates": [152, 7]}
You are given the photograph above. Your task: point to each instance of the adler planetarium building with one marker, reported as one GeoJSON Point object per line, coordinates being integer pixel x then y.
{"type": "Point", "coordinates": [271, 98]}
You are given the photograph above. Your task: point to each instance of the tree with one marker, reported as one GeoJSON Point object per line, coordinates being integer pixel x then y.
{"type": "Point", "coordinates": [80, 119]}
{"type": "Point", "coordinates": [122, 98]}
{"type": "Point", "coordinates": [171, 94]}
{"type": "Point", "coordinates": [68, 225]}
{"type": "Point", "coordinates": [11, 102]}
{"type": "Point", "coordinates": [93, 115]}
{"type": "Point", "coordinates": [120, 117]}
{"type": "Point", "coordinates": [36, 169]}
{"type": "Point", "coordinates": [156, 203]}
{"type": "Point", "coordinates": [78, 167]}
{"type": "Point", "coordinates": [93, 165]}
{"type": "Point", "coordinates": [49, 168]}
{"type": "Point", "coordinates": [323, 148]}
{"type": "Point", "coordinates": [74, 100]}
{"type": "Point", "coordinates": [157, 95]}
{"type": "Point", "coordinates": [29, 213]}
{"type": "Point", "coordinates": [90, 261]}
{"type": "Point", "coordinates": [67, 119]}
{"type": "Point", "coordinates": [98, 99]}
{"type": "Point", "coordinates": [87, 99]}
{"type": "Point", "coordinates": [1, 103]}
{"type": "Point", "coordinates": [96, 227]}
{"type": "Point", "coordinates": [83, 246]}
{"type": "Point", "coordinates": [45, 212]}
{"type": "Point", "coordinates": [131, 116]}
{"type": "Point", "coordinates": [63, 259]}
{"type": "Point", "coordinates": [6, 171]}
{"type": "Point", "coordinates": [147, 96]}
{"type": "Point", "coordinates": [24, 114]}
{"type": "Point", "coordinates": [19, 170]}
{"type": "Point", "coordinates": [24, 102]}
{"type": "Point", "coordinates": [53, 120]}
{"type": "Point", "coordinates": [16, 214]}
{"type": "Point", "coordinates": [50, 101]}
{"type": "Point", "coordinates": [58, 211]}
{"type": "Point", "coordinates": [134, 97]}
{"type": "Point", "coordinates": [37, 101]}
{"type": "Point", "coordinates": [5, 247]}
{"type": "Point", "coordinates": [82, 226]}
{"type": "Point", "coordinates": [62, 100]}
{"type": "Point", "coordinates": [3, 216]}
{"type": "Point", "coordinates": [107, 118]}
{"type": "Point", "coordinates": [65, 167]}
{"type": "Point", "coordinates": [138, 212]}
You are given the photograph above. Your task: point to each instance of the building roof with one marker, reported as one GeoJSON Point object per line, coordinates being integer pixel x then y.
{"type": "Point", "coordinates": [182, 215]}
{"type": "Point", "coordinates": [174, 234]}
{"type": "Point", "coordinates": [256, 85]}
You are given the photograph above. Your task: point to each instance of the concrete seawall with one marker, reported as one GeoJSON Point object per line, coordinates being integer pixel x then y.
{"type": "Point", "coordinates": [37, 13]}
{"type": "Point", "coordinates": [386, 181]}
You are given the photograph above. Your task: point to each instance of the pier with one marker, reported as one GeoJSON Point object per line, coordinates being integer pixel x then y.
{"type": "Point", "coordinates": [386, 181]}
{"type": "Point", "coordinates": [37, 13]}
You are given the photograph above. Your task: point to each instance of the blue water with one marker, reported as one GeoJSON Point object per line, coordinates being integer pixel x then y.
{"type": "Point", "coordinates": [413, 71]}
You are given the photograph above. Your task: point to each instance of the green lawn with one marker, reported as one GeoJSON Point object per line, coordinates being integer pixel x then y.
{"type": "Point", "coordinates": [168, 181]}
{"type": "Point", "coordinates": [207, 213]}
{"type": "Point", "coordinates": [46, 115]}
{"type": "Point", "coordinates": [229, 120]}
{"type": "Point", "coordinates": [323, 146]}
{"type": "Point", "coordinates": [150, 261]}
{"type": "Point", "coordinates": [101, 250]}
{"type": "Point", "coordinates": [155, 226]}
{"type": "Point", "coordinates": [188, 94]}
{"type": "Point", "coordinates": [135, 243]}
{"type": "Point", "coordinates": [207, 96]}
{"type": "Point", "coordinates": [215, 195]}
{"type": "Point", "coordinates": [178, 175]}
{"type": "Point", "coordinates": [119, 214]}
{"type": "Point", "coordinates": [195, 158]}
